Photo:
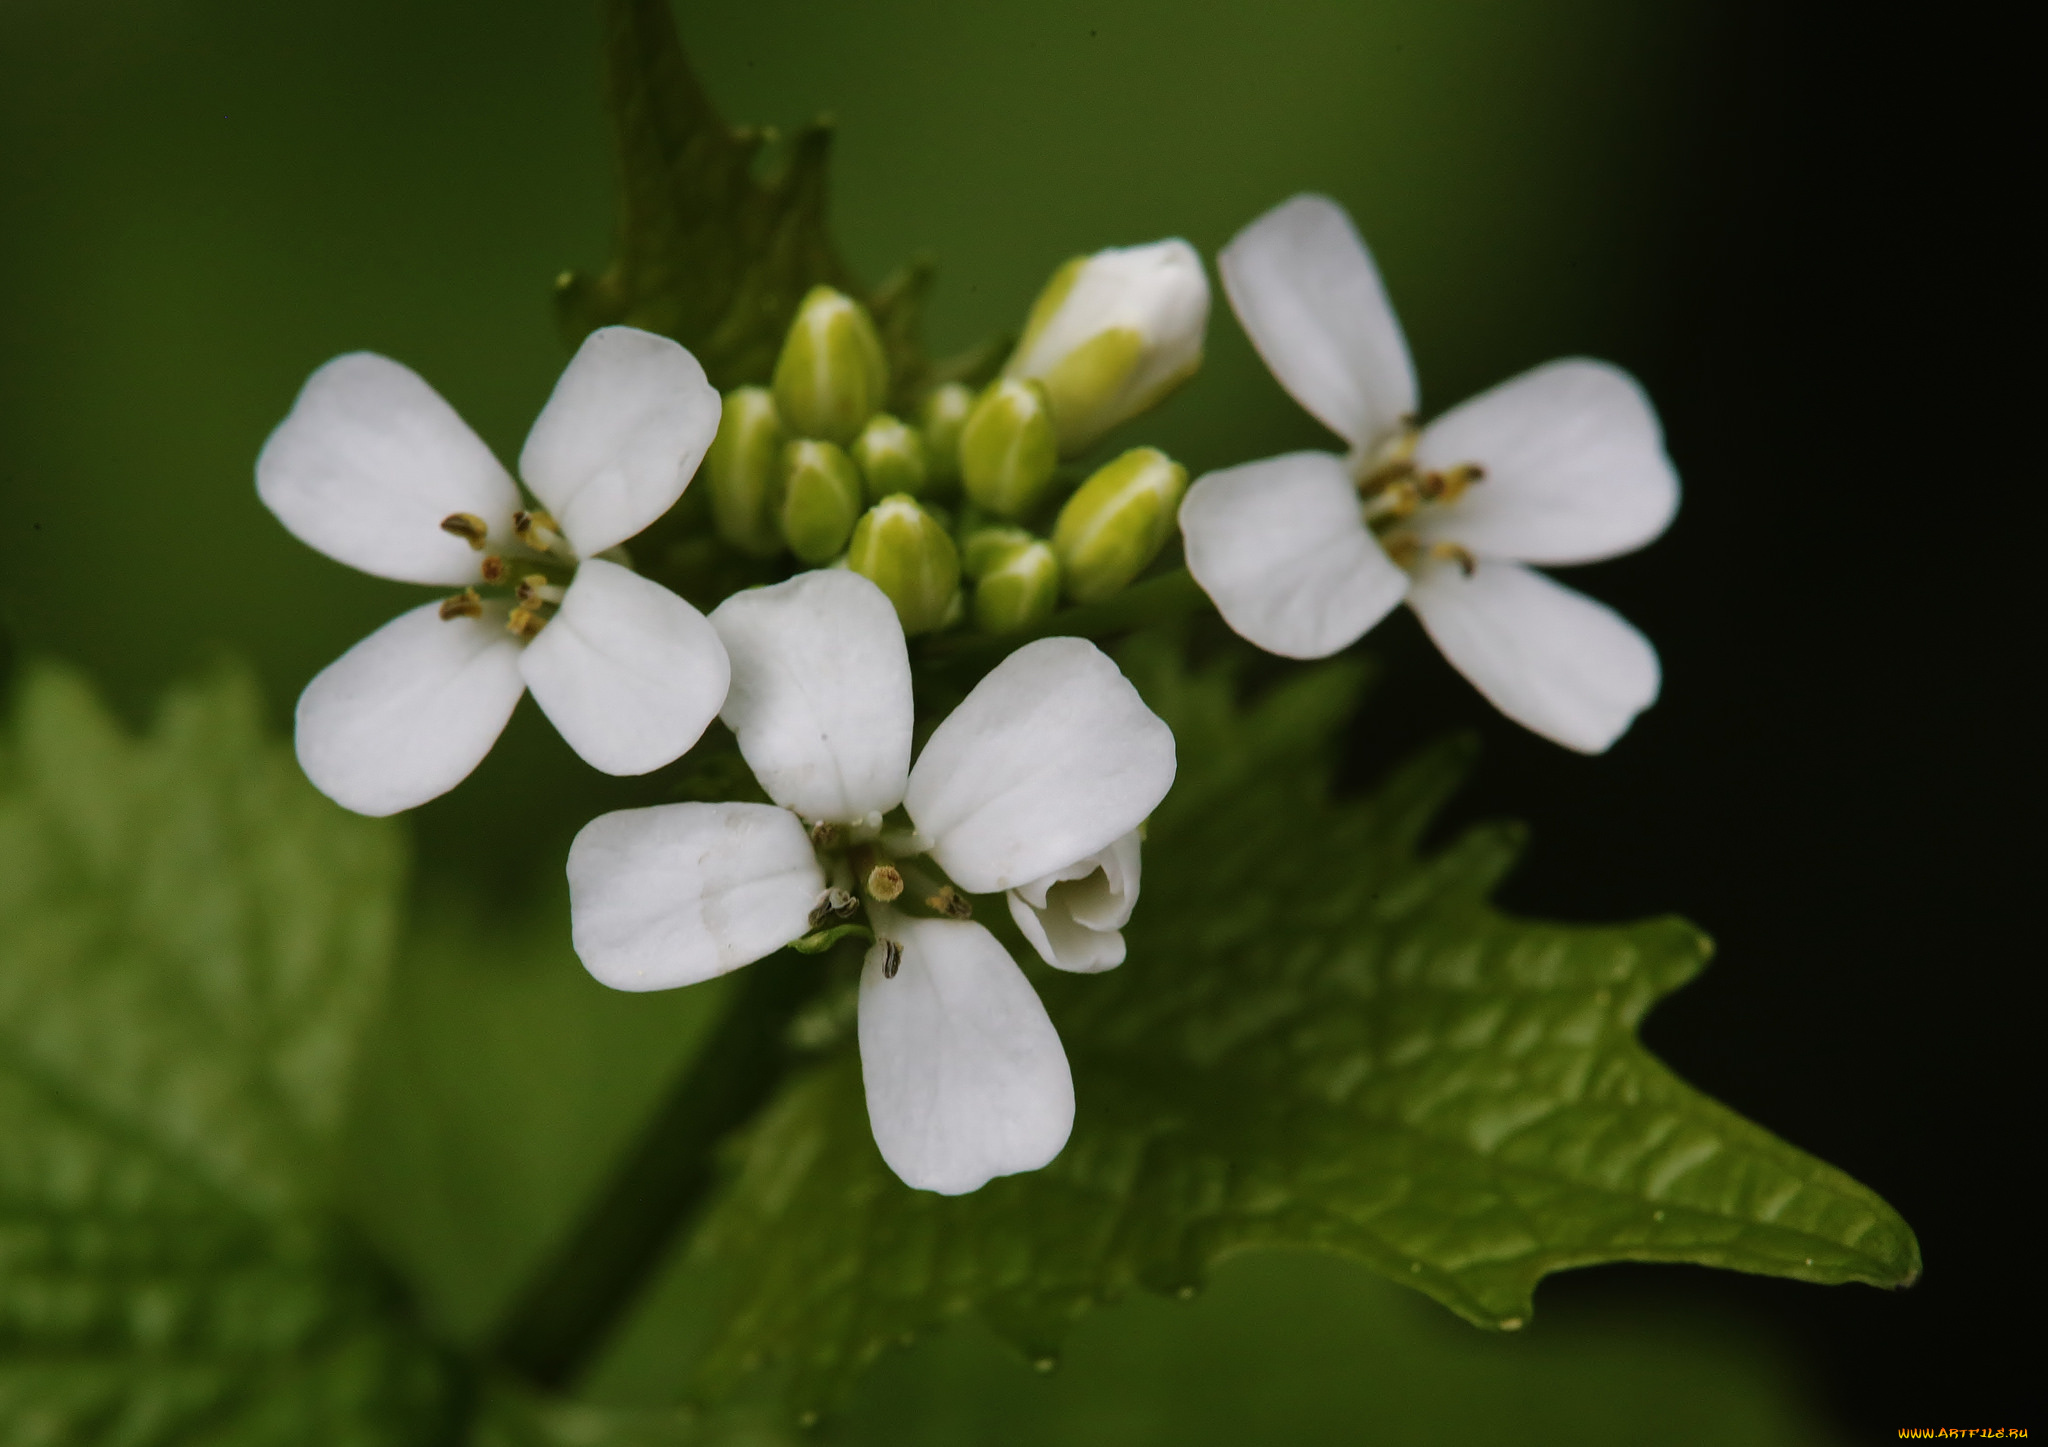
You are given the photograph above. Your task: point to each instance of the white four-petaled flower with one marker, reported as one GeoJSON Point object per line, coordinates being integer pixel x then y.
{"type": "Point", "coordinates": [1035, 783]}
{"type": "Point", "coordinates": [1564, 464]}
{"type": "Point", "coordinates": [375, 470]}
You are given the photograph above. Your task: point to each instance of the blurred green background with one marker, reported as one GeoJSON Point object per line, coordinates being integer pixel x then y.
{"type": "Point", "coordinates": [204, 200]}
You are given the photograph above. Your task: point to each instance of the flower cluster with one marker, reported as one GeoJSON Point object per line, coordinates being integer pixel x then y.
{"type": "Point", "coordinates": [1037, 787]}
{"type": "Point", "coordinates": [954, 494]}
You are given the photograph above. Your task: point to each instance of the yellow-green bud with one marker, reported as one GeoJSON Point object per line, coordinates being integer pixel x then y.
{"type": "Point", "coordinates": [1116, 521]}
{"type": "Point", "coordinates": [1007, 449]}
{"type": "Point", "coordinates": [820, 498]}
{"type": "Point", "coordinates": [1020, 588]}
{"type": "Point", "coordinates": [983, 548]}
{"type": "Point", "coordinates": [901, 549]}
{"type": "Point", "coordinates": [831, 376]}
{"type": "Point", "coordinates": [1112, 334]}
{"type": "Point", "coordinates": [941, 417]}
{"type": "Point", "coordinates": [891, 458]}
{"type": "Point", "coordinates": [742, 467]}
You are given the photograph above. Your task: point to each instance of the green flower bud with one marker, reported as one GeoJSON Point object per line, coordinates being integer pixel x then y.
{"type": "Point", "coordinates": [1020, 588]}
{"type": "Point", "coordinates": [942, 416]}
{"type": "Point", "coordinates": [742, 466]}
{"type": "Point", "coordinates": [1007, 450]}
{"type": "Point", "coordinates": [901, 549]}
{"type": "Point", "coordinates": [1112, 334]}
{"type": "Point", "coordinates": [820, 498]}
{"type": "Point", "coordinates": [1115, 523]}
{"type": "Point", "coordinates": [891, 458]}
{"type": "Point", "coordinates": [983, 548]}
{"type": "Point", "coordinates": [831, 376]}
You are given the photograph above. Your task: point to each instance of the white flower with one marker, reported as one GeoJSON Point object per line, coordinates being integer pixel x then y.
{"type": "Point", "coordinates": [1041, 774]}
{"type": "Point", "coordinates": [1112, 334]}
{"type": "Point", "coordinates": [375, 470]}
{"type": "Point", "coordinates": [1564, 464]}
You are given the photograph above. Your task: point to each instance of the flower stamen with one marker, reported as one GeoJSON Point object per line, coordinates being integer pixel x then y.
{"type": "Point", "coordinates": [892, 958]}
{"type": "Point", "coordinates": [526, 622]}
{"type": "Point", "coordinates": [467, 526]}
{"type": "Point", "coordinates": [535, 590]}
{"type": "Point", "coordinates": [537, 530]}
{"type": "Point", "coordinates": [465, 604]}
{"type": "Point", "coordinates": [950, 903]}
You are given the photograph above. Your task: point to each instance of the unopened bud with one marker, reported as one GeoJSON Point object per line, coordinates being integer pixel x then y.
{"type": "Point", "coordinates": [901, 549]}
{"type": "Point", "coordinates": [742, 468]}
{"type": "Point", "coordinates": [820, 498]}
{"type": "Point", "coordinates": [1116, 521]}
{"type": "Point", "coordinates": [1112, 334]}
{"type": "Point", "coordinates": [1007, 448]}
{"type": "Point", "coordinates": [891, 458]}
{"type": "Point", "coordinates": [984, 548]}
{"type": "Point", "coordinates": [1020, 587]}
{"type": "Point", "coordinates": [941, 417]}
{"type": "Point", "coordinates": [831, 376]}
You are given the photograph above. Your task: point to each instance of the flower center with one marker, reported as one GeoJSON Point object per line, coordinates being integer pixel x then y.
{"type": "Point", "coordinates": [532, 578]}
{"type": "Point", "coordinates": [868, 867]}
{"type": "Point", "coordinates": [1395, 492]}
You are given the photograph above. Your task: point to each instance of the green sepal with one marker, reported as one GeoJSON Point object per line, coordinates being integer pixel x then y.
{"type": "Point", "coordinates": [819, 941]}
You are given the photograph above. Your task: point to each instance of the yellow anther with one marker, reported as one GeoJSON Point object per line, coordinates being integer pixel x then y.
{"type": "Point", "coordinates": [467, 526]}
{"type": "Point", "coordinates": [1452, 553]}
{"type": "Point", "coordinates": [535, 591]}
{"type": "Point", "coordinates": [884, 883]}
{"type": "Point", "coordinates": [951, 903]}
{"type": "Point", "coordinates": [1404, 548]}
{"type": "Point", "coordinates": [525, 622]}
{"type": "Point", "coordinates": [465, 604]}
{"type": "Point", "coordinates": [537, 530]}
{"type": "Point", "coordinates": [1393, 500]}
{"type": "Point", "coordinates": [1450, 484]}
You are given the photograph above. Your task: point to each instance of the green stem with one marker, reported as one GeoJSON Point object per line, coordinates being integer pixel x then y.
{"type": "Point", "coordinates": [570, 1307]}
{"type": "Point", "coordinates": [1170, 595]}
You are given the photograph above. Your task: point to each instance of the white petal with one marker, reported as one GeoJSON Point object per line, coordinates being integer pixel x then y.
{"type": "Point", "coordinates": [621, 437]}
{"type": "Point", "coordinates": [404, 715]}
{"type": "Point", "coordinates": [966, 1079]}
{"type": "Point", "coordinates": [1074, 916]}
{"type": "Point", "coordinates": [1553, 660]}
{"type": "Point", "coordinates": [367, 464]}
{"type": "Point", "coordinates": [680, 893]}
{"type": "Point", "coordinates": [1050, 758]}
{"type": "Point", "coordinates": [1575, 467]}
{"type": "Point", "coordinates": [1305, 288]}
{"type": "Point", "coordinates": [820, 697]}
{"type": "Point", "coordinates": [630, 673]}
{"type": "Point", "coordinates": [1282, 550]}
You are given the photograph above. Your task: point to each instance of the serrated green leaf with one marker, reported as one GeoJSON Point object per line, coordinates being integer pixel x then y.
{"type": "Point", "coordinates": [1323, 1037]}
{"type": "Point", "coordinates": [715, 251]}
{"type": "Point", "coordinates": [193, 940]}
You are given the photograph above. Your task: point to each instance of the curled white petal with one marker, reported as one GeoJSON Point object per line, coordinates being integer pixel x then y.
{"type": "Point", "coordinates": [1282, 550]}
{"type": "Point", "coordinates": [965, 1076]}
{"type": "Point", "coordinates": [680, 893]}
{"type": "Point", "coordinates": [1050, 758]}
{"type": "Point", "coordinates": [369, 461]}
{"type": "Point", "coordinates": [1553, 660]}
{"type": "Point", "coordinates": [619, 440]}
{"type": "Point", "coordinates": [630, 673]}
{"type": "Point", "coordinates": [1575, 467]}
{"type": "Point", "coordinates": [404, 715]}
{"type": "Point", "coordinates": [1074, 917]}
{"type": "Point", "coordinates": [820, 697]}
{"type": "Point", "coordinates": [1303, 284]}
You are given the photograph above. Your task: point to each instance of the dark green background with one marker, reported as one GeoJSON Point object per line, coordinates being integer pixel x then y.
{"type": "Point", "coordinates": [201, 201]}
